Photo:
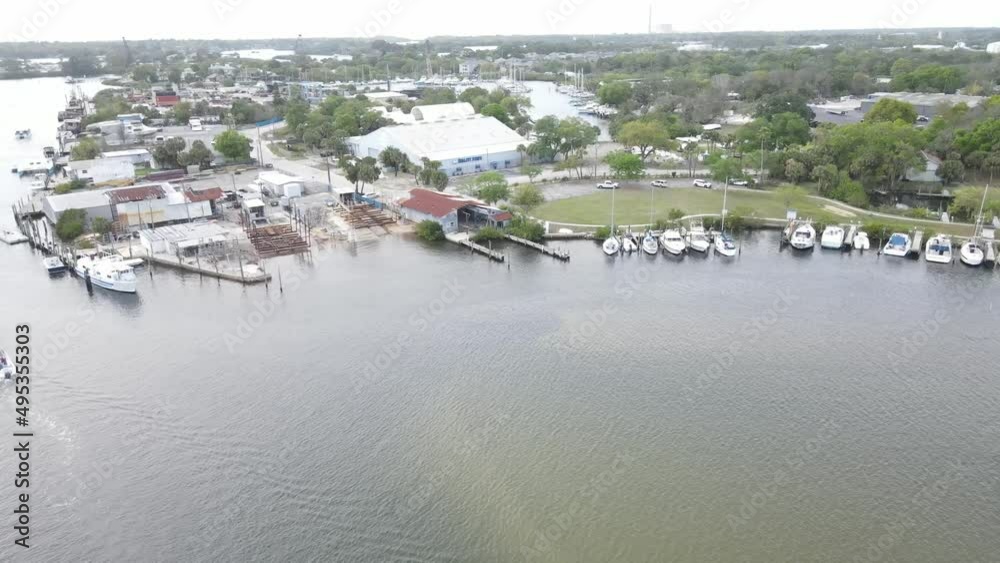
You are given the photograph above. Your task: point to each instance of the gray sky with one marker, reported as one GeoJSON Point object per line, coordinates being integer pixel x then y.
{"type": "Point", "coordinates": [82, 20]}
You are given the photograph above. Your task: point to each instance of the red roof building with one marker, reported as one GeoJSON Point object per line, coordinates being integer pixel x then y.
{"type": "Point", "coordinates": [436, 204]}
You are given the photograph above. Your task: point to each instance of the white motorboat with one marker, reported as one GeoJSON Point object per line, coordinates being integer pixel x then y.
{"type": "Point", "coordinates": [833, 237]}
{"type": "Point", "coordinates": [54, 265]}
{"type": "Point", "coordinates": [649, 243]}
{"type": "Point", "coordinates": [110, 273]}
{"type": "Point", "coordinates": [803, 237]}
{"type": "Point", "coordinates": [6, 366]}
{"type": "Point", "coordinates": [697, 239]}
{"type": "Point", "coordinates": [725, 245]}
{"type": "Point", "coordinates": [611, 246]}
{"type": "Point", "coordinates": [861, 241]}
{"type": "Point", "coordinates": [898, 245]}
{"type": "Point", "coordinates": [22, 134]}
{"type": "Point", "coordinates": [629, 244]}
{"type": "Point", "coordinates": [12, 237]}
{"type": "Point", "coordinates": [938, 250]}
{"type": "Point", "coordinates": [673, 242]}
{"type": "Point", "coordinates": [971, 253]}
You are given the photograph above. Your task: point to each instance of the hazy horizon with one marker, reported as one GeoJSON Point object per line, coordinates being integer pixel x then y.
{"type": "Point", "coordinates": [250, 20]}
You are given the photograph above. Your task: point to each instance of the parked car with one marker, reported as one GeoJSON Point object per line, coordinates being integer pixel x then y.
{"type": "Point", "coordinates": [699, 183]}
{"type": "Point", "coordinates": [660, 184]}
{"type": "Point", "coordinates": [741, 182]}
{"type": "Point", "coordinates": [607, 185]}
{"type": "Point", "coordinates": [923, 118]}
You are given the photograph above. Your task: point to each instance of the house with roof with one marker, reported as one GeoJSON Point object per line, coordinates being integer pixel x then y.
{"type": "Point", "coordinates": [451, 210]}
{"type": "Point", "coordinates": [136, 206]}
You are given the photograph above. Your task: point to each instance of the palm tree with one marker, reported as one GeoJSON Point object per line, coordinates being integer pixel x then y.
{"type": "Point", "coordinates": [690, 153]}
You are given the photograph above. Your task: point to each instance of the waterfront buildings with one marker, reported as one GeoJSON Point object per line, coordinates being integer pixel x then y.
{"type": "Point", "coordinates": [135, 206]}
{"type": "Point", "coordinates": [449, 210]}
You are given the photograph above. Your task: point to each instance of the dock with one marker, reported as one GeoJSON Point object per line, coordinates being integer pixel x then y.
{"type": "Point", "coordinates": [249, 275]}
{"type": "Point", "coordinates": [464, 240]}
{"type": "Point", "coordinates": [850, 231]}
{"type": "Point", "coordinates": [991, 254]}
{"type": "Point", "coordinates": [917, 245]}
{"type": "Point", "coordinates": [547, 250]}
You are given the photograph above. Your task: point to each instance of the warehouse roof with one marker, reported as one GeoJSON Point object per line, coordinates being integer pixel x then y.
{"type": "Point", "coordinates": [437, 112]}
{"type": "Point", "coordinates": [446, 139]}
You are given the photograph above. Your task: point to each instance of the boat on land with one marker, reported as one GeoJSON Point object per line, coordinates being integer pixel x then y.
{"type": "Point", "coordinates": [833, 237]}
{"type": "Point", "coordinates": [697, 240]}
{"type": "Point", "coordinates": [898, 245]}
{"type": "Point", "coordinates": [53, 265]}
{"type": "Point", "coordinates": [649, 243]}
{"type": "Point", "coordinates": [971, 253]}
{"type": "Point", "coordinates": [672, 242]}
{"type": "Point", "coordinates": [107, 272]}
{"type": "Point", "coordinates": [802, 236]}
{"type": "Point", "coordinates": [938, 250]}
{"type": "Point", "coordinates": [861, 241]}
{"type": "Point", "coordinates": [12, 237]}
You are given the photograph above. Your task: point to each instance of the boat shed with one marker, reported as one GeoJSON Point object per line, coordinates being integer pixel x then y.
{"type": "Point", "coordinates": [186, 238]}
{"type": "Point", "coordinates": [451, 210]}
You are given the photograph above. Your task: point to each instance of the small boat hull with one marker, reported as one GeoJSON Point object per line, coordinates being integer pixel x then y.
{"type": "Point", "coordinates": [938, 250]}
{"type": "Point", "coordinates": [898, 245]}
{"type": "Point", "coordinates": [611, 246]}
{"type": "Point", "coordinates": [971, 255]}
{"type": "Point", "coordinates": [861, 241]}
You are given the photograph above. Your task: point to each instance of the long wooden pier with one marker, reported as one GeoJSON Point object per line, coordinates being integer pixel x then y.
{"type": "Point", "coordinates": [464, 240]}
{"type": "Point", "coordinates": [547, 250]}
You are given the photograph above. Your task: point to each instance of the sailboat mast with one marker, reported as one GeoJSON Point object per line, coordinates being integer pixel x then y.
{"type": "Point", "coordinates": [725, 193]}
{"type": "Point", "coordinates": [613, 213]}
{"type": "Point", "coordinates": [982, 206]}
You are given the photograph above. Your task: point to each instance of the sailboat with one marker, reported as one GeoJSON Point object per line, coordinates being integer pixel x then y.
{"type": "Point", "coordinates": [724, 244]}
{"type": "Point", "coordinates": [971, 253]}
{"type": "Point", "coordinates": [612, 245]}
{"type": "Point", "coordinates": [629, 242]}
{"type": "Point", "coordinates": [649, 243]}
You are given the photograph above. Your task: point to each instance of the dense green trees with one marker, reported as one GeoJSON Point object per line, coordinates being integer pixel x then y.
{"type": "Point", "coordinates": [198, 154]}
{"type": "Point", "coordinates": [86, 149]}
{"type": "Point", "coordinates": [430, 230]}
{"type": "Point", "coordinates": [646, 136]}
{"type": "Point", "coordinates": [233, 145]}
{"type": "Point", "coordinates": [167, 154]}
{"type": "Point", "coordinates": [625, 165]}
{"type": "Point", "coordinates": [392, 157]}
{"type": "Point", "coordinates": [778, 131]}
{"type": "Point", "coordinates": [966, 204]}
{"type": "Point", "coordinates": [527, 196]}
{"type": "Point", "coordinates": [888, 109]}
{"type": "Point", "coordinates": [71, 224]}
{"type": "Point", "coordinates": [927, 78]}
{"type": "Point", "coordinates": [614, 93]}
{"type": "Point", "coordinates": [491, 187]}
{"type": "Point", "coordinates": [556, 136]}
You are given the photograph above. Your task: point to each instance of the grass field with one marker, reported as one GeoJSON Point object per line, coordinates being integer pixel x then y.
{"type": "Point", "coordinates": [632, 208]}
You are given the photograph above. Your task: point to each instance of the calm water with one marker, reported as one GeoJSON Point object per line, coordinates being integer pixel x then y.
{"type": "Point", "coordinates": [405, 402]}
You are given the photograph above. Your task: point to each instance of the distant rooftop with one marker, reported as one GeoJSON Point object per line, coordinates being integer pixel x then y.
{"type": "Point", "coordinates": [928, 99]}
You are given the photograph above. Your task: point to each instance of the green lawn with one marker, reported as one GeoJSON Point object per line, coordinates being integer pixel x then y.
{"type": "Point", "coordinates": [632, 208]}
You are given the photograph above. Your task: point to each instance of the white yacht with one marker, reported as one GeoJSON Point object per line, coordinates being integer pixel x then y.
{"type": "Point", "coordinates": [833, 237]}
{"type": "Point", "coordinates": [649, 243]}
{"type": "Point", "coordinates": [696, 238]}
{"type": "Point", "coordinates": [971, 253]}
{"type": "Point", "coordinates": [110, 273]}
{"type": "Point", "coordinates": [898, 245]}
{"type": "Point", "coordinates": [724, 245]}
{"type": "Point", "coordinates": [611, 245]}
{"type": "Point", "coordinates": [861, 241]}
{"type": "Point", "coordinates": [673, 242]}
{"type": "Point", "coordinates": [803, 237]}
{"type": "Point", "coordinates": [938, 250]}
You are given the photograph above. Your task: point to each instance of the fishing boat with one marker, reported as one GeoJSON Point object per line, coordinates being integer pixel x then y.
{"type": "Point", "coordinates": [861, 241]}
{"type": "Point", "coordinates": [833, 237]}
{"type": "Point", "coordinates": [53, 265]}
{"type": "Point", "coordinates": [12, 237]}
{"type": "Point", "coordinates": [938, 250]}
{"type": "Point", "coordinates": [649, 243]}
{"type": "Point", "coordinates": [697, 240]}
{"type": "Point", "coordinates": [971, 253]}
{"type": "Point", "coordinates": [803, 237]}
{"type": "Point", "coordinates": [6, 366]}
{"type": "Point", "coordinates": [110, 272]}
{"type": "Point", "coordinates": [672, 242]}
{"type": "Point", "coordinates": [898, 245]}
